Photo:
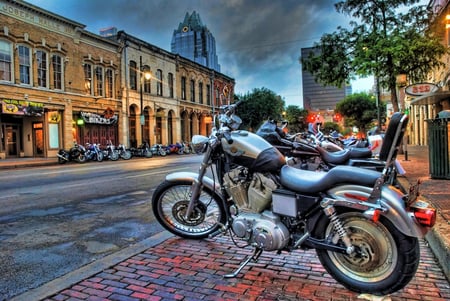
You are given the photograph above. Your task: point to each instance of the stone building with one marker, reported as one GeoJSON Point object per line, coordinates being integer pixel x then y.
{"type": "Point", "coordinates": [61, 84]}
{"type": "Point", "coordinates": [58, 83]}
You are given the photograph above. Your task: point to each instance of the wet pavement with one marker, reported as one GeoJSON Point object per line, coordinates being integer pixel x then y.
{"type": "Point", "coordinates": [164, 267]}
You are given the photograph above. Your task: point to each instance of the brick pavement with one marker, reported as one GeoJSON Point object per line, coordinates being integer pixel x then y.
{"type": "Point", "coordinates": [180, 269]}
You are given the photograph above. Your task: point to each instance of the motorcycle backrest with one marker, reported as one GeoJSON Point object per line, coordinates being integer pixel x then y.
{"type": "Point", "coordinates": [393, 137]}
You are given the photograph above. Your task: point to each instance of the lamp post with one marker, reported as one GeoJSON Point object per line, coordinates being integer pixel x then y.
{"type": "Point", "coordinates": [142, 74]}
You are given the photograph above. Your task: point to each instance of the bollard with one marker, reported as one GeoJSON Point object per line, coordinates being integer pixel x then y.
{"type": "Point", "coordinates": [405, 147]}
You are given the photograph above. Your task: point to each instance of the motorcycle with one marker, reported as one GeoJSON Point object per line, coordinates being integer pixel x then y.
{"type": "Point", "coordinates": [158, 150]}
{"type": "Point", "coordinates": [93, 152]}
{"type": "Point", "coordinates": [110, 152]}
{"type": "Point", "coordinates": [365, 232]}
{"type": "Point", "coordinates": [142, 151]}
{"type": "Point", "coordinates": [312, 156]}
{"type": "Point", "coordinates": [76, 153]}
{"type": "Point", "coordinates": [124, 153]}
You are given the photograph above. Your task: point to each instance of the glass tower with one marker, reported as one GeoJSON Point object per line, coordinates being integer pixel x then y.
{"type": "Point", "coordinates": [194, 41]}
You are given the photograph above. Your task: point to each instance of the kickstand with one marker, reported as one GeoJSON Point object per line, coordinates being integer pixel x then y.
{"type": "Point", "coordinates": [254, 258]}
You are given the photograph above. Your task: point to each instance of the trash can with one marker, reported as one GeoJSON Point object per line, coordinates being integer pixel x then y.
{"type": "Point", "coordinates": [438, 146]}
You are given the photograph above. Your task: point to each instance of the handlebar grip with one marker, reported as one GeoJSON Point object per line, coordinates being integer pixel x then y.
{"type": "Point", "coordinates": [227, 136]}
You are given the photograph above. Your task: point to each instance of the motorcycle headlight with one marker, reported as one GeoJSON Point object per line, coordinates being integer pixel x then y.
{"type": "Point", "coordinates": [199, 143]}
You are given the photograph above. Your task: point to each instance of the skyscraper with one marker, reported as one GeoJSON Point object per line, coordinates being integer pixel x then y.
{"type": "Point", "coordinates": [316, 96]}
{"type": "Point", "coordinates": [194, 41]}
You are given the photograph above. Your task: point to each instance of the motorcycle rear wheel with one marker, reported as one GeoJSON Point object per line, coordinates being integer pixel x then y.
{"type": "Point", "coordinates": [81, 158]}
{"type": "Point", "coordinates": [388, 260]}
{"type": "Point", "coordinates": [169, 204]}
{"type": "Point", "coordinates": [126, 155]}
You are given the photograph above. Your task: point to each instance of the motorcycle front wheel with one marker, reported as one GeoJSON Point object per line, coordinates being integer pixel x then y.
{"type": "Point", "coordinates": [170, 201]}
{"type": "Point", "coordinates": [126, 155]}
{"type": "Point", "coordinates": [385, 260]}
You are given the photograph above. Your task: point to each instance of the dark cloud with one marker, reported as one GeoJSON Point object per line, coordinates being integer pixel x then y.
{"type": "Point", "coordinates": [258, 41]}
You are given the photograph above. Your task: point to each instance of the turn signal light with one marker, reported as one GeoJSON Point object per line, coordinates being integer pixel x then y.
{"type": "Point", "coordinates": [425, 216]}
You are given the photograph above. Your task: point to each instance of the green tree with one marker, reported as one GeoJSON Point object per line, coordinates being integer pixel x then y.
{"type": "Point", "coordinates": [359, 110]}
{"type": "Point", "coordinates": [383, 40]}
{"type": "Point", "coordinates": [258, 106]}
{"type": "Point", "coordinates": [296, 117]}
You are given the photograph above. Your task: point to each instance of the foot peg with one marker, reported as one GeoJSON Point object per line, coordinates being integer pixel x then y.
{"type": "Point", "coordinates": [254, 258]}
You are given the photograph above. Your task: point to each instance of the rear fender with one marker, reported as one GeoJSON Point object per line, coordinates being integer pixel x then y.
{"type": "Point", "coordinates": [391, 205]}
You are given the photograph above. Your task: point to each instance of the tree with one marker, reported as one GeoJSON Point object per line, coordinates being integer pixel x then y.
{"type": "Point", "coordinates": [359, 110]}
{"type": "Point", "coordinates": [296, 117]}
{"type": "Point", "coordinates": [382, 41]}
{"type": "Point", "coordinates": [258, 106]}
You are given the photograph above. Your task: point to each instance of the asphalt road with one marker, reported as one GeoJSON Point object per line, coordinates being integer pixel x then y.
{"type": "Point", "coordinates": [56, 219]}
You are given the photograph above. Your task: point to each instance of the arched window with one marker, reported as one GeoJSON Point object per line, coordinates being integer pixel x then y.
{"type": "Point", "coordinates": [57, 72]}
{"type": "Point", "coordinates": [133, 75]}
{"type": "Point", "coordinates": [159, 84]}
{"type": "Point", "coordinates": [170, 80]}
{"type": "Point", "coordinates": [88, 78]}
{"type": "Point", "coordinates": [42, 68]}
{"type": "Point", "coordinates": [98, 81]}
{"type": "Point", "coordinates": [109, 80]}
{"type": "Point", "coordinates": [25, 64]}
{"type": "Point", "coordinates": [5, 61]}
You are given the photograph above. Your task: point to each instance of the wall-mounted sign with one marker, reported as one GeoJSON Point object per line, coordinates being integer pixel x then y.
{"type": "Point", "coordinates": [54, 117]}
{"type": "Point", "coordinates": [22, 107]}
{"type": "Point", "coordinates": [421, 89]}
{"type": "Point", "coordinates": [98, 119]}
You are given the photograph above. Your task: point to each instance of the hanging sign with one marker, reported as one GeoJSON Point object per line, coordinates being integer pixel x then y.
{"type": "Point", "coordinates": [421, 89]}
{"type": "Point", "coordinates": [99, 119]}
{"type": "Point", "coordinates": [22, 107]}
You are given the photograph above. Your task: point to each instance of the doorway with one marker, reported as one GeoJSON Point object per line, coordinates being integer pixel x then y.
{"type": "Point", "coordinates": [12, 140]}
{"type": "Point", "coordinates": [38, 139]}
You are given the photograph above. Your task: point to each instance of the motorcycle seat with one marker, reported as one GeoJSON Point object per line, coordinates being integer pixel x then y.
{"type": "Point", "coordinates": [307, 181]}
{"type": "Point", "coordinates": [342, 157]}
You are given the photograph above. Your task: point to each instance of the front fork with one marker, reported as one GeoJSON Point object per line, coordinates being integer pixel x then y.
{"type": "Point", "coordinates": [197, 185]}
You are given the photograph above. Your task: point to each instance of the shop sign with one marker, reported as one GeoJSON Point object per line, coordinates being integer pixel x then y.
{"type": "Point", "coordinates": [421, 89]}
{"type": "Point", "coordinates": [99, 119]}
{"type": "Point", "coordinates": [22, 107]}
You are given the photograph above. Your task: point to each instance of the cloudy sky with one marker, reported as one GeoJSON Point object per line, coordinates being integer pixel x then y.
{"type": "Point", "coordinates": [258, 42]}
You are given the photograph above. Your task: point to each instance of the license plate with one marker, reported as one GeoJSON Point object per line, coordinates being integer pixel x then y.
{"type": "Point", "coordinates": [413, 192]}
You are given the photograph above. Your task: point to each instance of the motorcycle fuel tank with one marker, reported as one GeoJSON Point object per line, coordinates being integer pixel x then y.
{"type": "Point", "coordinates": [253, 152]}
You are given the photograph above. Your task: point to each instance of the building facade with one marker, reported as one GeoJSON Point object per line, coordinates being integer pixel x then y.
{"type": "Point", "coordinates": [45, 103]}
{"type": "Point", "coordinates": [60, 84]}
{"type": "Point", "coordinates": [193, 40]}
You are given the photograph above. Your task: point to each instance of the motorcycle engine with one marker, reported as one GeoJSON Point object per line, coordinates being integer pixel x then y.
{"type": "Point", "coordinates": [252, 194]}
{"type": "Point", "coordinates": [264, 230]}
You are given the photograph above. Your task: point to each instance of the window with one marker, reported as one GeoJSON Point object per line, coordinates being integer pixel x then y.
{"type": "Point", "coordinates": [98, 81]}
{"type": "Point", "coordinates": [183, 88]}
{"type": "Point", "coordinates": [5, 61]}
{"type": "Point", "coordinates": [192, 88]}
{"type": "Point", "coordinates": [200, 93]}
{"type": "Point", "coordinates": [109, 83]}
{"type": "Point", "coordinates": [170, 80]}
{"type": "Point", "coordinates": [88, 78]}
{"type": "Point", "coordinates": [133, 75]}
{"type": "Point", "coordinates": [42, 67]}
{"type": "Point", "coordinates": [24, 65]}
{"type": "Point", "coordinates": [57, 72]}
{"type": "Point", "coordinates": [208, 95]}
{"type": "Point", "coordinates": [147, 81]}
{"type": "Point", "coordinates": [159, 83]}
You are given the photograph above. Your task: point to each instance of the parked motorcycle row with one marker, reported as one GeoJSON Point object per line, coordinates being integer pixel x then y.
{"type": "Point", "coordinates": [95, 152]}
{"type": "Point", "coordinates": [365, 231]}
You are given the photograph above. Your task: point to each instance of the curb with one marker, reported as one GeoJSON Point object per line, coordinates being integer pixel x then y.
{"type": "Point", "coordinates": [55, 286]}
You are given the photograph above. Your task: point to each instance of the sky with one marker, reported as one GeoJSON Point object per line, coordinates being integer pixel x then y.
{"type": "Point", "coordinates": [258, 42]}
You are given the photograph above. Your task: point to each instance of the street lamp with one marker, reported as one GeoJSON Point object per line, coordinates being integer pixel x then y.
{"type": "Point", "coordinates": [147, 75]}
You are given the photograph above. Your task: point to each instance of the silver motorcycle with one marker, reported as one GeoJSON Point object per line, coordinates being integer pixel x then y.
{"type": "Point", "coordinates": [365, 231]}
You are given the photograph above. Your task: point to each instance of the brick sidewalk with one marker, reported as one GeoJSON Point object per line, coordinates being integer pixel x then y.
{"type": "Point", "coordinates": [180, 269]}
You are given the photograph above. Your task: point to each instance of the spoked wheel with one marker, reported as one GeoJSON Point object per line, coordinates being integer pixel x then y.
{"type": "Point", "coordinates": [170, 202]}
{"type": "Point", "coordinates": [385, 259]}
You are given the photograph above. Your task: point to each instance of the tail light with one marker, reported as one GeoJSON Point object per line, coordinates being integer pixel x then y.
{"type": "Point", "coordinates": [424, 214]}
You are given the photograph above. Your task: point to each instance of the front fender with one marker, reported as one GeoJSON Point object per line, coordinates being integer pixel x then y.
{"type": "Point", "coordinates": [192, 177]}
{"type": "Point", "coordinates": [391, 206]}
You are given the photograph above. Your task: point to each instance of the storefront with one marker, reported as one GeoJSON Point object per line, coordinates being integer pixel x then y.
{"type": "Point", "coordinates": [28, 128]}
{"type": "Point", "coordinates": [89, 127]}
